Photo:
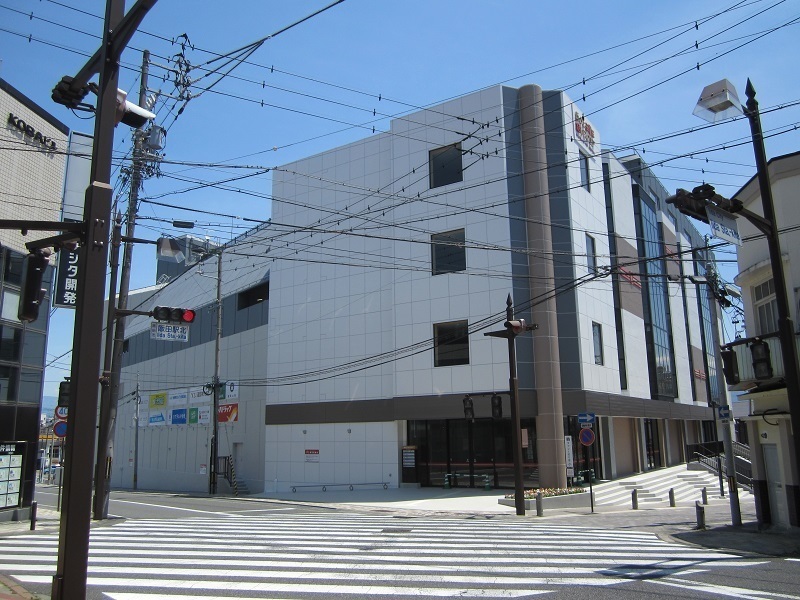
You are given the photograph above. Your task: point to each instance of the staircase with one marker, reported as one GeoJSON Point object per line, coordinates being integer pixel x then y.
{"type": "Point", "coordinates": [653, 487]}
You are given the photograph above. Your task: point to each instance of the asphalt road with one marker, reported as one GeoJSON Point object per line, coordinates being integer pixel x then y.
{"type": "Point", "coordinates": [176, 547]}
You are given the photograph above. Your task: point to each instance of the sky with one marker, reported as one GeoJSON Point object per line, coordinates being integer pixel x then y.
{"type": "Point", "coordinates": [635, 69]}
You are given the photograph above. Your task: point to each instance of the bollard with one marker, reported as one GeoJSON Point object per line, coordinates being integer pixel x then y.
{"type": "Point", "coordinates": [705, 496]}
{"type": "Point", "coordinates": [34, 506]}
{"type": "Point", "coordinates": [700, 510]}
{"type": "Point", "coordinates": [486, 485]}
{"type": "Point", "coordinates": [672, 497]}
{"type": "Point", "coordinates": [635, 499]}
{"type": "Point", "coordinates": [539, 504]}
{"type": "Point", "coordinates": [447, 481]}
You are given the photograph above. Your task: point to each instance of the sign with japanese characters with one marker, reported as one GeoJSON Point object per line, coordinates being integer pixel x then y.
{"type": "Point", "coordinates": [227, 413]}
{"type": "Point", "coordinates": [723, 226]}
{"type": "Point", "coordinates": [169, 332]}
{"type": "Point", "coordinates": [11, 473]}
{"type": "Point", "coordinates": [66, 292]}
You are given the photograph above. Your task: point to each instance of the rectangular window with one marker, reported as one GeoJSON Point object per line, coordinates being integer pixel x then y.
{"type": "Point", "coordinates": [766, 307]}
{"type": "Point", "coordinates": [584, 164]}
{"type": "Point", "coordinates": [10, 306]}
{"type": "Point", "coordinates": [445, 166]}
{"type": "Point", "coordinates": [591, 254]}
{"type": "Point", "coordinates": [450, 344]}
{"type": "Point", "coordinates": [253, 296]}
{"type": "Point", "coordinates": [10, 343]}
{"type": "Point", "coordinates": [597, 338]}
{"type": "Point", "coordinates": [448, 252]}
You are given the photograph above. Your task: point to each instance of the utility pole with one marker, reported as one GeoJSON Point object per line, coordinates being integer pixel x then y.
{"type": "Point", "coordinates": [109, 400]}
{"type": "Point", "coordinates": [212, 480]}
{"type": "Point", "coordinates": [136, 439]}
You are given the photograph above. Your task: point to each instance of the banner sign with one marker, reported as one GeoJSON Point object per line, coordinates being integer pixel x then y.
{"type": "Point", "coordinates": [10, 473]}
{"type": "Point", "coordinates": [66, 292]}
{"type": "Point", "coordinates": [178, 397]}
{"type": "Point", "coordinates": [204, 415]}
{"type": "Point", "coordinates": [177, 416]}
{"type": "Point", "coordinates": [197, 395]}
{"type": "Point", "coordinates": [227, 413]}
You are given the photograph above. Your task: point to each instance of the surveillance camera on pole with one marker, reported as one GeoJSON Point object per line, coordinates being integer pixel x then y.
{"type": "Point", "coordinates": [131, 114]}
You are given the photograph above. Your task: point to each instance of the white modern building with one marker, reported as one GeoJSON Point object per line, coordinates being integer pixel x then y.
{"type": "Point", "coordinates": [769, 429]}
{"type": "Point", "coordinates": [354, 321]}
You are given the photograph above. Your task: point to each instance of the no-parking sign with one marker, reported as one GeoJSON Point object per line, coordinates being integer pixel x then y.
{"type": "Point", "coordinates": [586, 436]}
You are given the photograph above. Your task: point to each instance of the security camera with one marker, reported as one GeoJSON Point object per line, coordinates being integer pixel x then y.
{"type": "Point", "coordinates": [131, 114]}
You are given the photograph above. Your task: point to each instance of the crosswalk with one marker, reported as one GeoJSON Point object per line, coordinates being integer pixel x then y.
{"type": "Point", "coordinates": [350, 555]}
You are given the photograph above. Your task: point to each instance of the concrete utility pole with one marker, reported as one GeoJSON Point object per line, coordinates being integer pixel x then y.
{"type": "Point", "coordinates": [212, 480]}
{"type": "Point", "coordinates": [109, 400]}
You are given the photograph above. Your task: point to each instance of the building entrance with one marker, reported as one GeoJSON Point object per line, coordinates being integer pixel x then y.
{"type": "Point", "coordinates": [471, 453]}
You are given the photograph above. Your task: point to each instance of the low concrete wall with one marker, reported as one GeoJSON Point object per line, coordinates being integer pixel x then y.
{"type": "Point", "coordinates": [554, 502]}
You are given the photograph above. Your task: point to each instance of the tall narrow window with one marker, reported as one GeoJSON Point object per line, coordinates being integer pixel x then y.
{"type": "Point", "coordinates": [583, 160]}
{"type": "Point", "coordinates": [766, 307]}
{"type": "Point", "coordinates": [448, 254]}
{"type": "Point", "coordinates": [597, 339]}
{"type": "Point", "coordinates": [450, 344]}
{"type": "Point", "coordinates": [445, 166]}
{"type": "Point", "coordinates": [591, 254]}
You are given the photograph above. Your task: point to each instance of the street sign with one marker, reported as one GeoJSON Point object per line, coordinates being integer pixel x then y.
{"type": "Point", "coordinates": [568, 455]}
{"type": "Point", "coordinates": [60, 429]}
{"type": "Point", "coordinates": [586, 418]}
{"type": "Point", "coordinates": [586, 437]}
{"type": "Point", "coordinates": [724, 413]}
{"type": "Point", "coordinates": [61, 413]}
{"type": "Point", "coordinates": [229, 391]}
{"type": "Point", "coordinates": [169, 332]}
{"type": "Point", "coordinates": [723, 226]}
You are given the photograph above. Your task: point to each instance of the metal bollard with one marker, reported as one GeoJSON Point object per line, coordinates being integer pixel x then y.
{"type": "Point", "coordinates": [34, 506]}
{"type": "Point", "coordinates": [635, 499]}
{"type": "Point", "coordinates": [539, 504]}
{"type": "Point", "coordinates": [700, 511]}
{"type": "Point", "coordinates": [672, 497]}
{"type": "Point", "coordinates": [705, 496]}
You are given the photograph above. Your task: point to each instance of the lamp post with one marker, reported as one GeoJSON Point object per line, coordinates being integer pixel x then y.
{"type": "Point", "coordinates": [512, 329]}
{"type": "Point", "coordinates": [719, 101]}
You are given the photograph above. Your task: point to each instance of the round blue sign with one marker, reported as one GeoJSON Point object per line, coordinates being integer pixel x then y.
{"type": "Point", "coordinates": [586, 436]}
{"type": "Point", "coordinates": [60, 429]}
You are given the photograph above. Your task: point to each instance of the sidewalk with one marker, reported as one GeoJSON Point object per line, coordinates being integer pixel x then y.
{"type": "Point", "coordinates": [671, 524]}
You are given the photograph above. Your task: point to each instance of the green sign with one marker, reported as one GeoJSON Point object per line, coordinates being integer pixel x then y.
{"type": "Point", "coordinates": [193, 415]}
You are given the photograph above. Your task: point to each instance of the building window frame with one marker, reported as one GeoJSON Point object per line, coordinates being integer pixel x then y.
{"type": "Point", "coordinates": [765, 307]}
{"type": "Point", "coordinates": [252, 296]}
{"type": "Point", "coordinates": [591, 254]}
{"type": "Point", "coordinates": [583, 164]}
{"type": "Point", "coordinates": [597, 343]}
{"type": "Point", "coordinates": [448, 252]}
{"type": "Point", "coordinates": [445, 165]}
{"type": "Point", "coordinates": [451, 343]}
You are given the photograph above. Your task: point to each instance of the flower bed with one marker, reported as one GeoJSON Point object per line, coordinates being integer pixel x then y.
{"type": "Point", "coordinates": [552, 498]}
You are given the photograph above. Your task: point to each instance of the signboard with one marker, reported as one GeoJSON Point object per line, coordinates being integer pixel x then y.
{"type": "Point", "coordinates": [197, 395]}
{"type": "Point", "coordinates": [227, 413]}
{"type": "Point", "coordinates": [66, 292]}
{"type": "Point", "coordinates": [169, 332]}
{"type": "Point", "coordinates": [61, 413]}
{"type": "Point", "coordinates": [177, 416]}
{"type": "Point", "coordinates": [724, 413]}
{"type": "Point", "coordinates": [158, 409]}
{"type": "Point", "coordinates": [10, 473]}
{"type": "Point", "coordinates": [723, 225]}
{"type": "Point", "coordinates": [586, 437]}
{"type": "Point", "coordinates": [60, 429]}
{"type": "Point", "coordinates": [229, 391]}
{"type": "Point", "coordinates": [312, 456]}
{"type": "Point", "coordinates": [570, 460]}
{"type": "Point", "coordinates": [203, 415]}
{"type": "Point", "coordinates": [178, 397]}
{"type": "Point", "coordinates": [193, 415]}
{"type": "Point", "coordinates": [409, 457]}
{"type": "Point", "coordinates": [586, 419]}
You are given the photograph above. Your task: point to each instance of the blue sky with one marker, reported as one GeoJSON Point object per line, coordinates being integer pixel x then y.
{"type": "Point", "coordinates": [634, 63]}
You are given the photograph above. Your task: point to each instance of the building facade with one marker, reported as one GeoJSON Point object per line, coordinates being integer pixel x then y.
{"type": "Point", "coordinates": [388, 259]}
{"type": "Point", "coordinates": [773, 447]}
{"type": "Point", "coordinates": [32, 162]}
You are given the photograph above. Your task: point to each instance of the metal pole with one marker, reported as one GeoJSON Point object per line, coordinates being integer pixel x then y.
{"type": "Point", "coordinates": [516, 426]}
{"type": "Point", "coordinates": [108, 417]}
{"type": "Point", "coordinates": [212, 481]}
{"type": "Point", "coordinates": [785, 324]}
{"type": "Point", "coordinates": [69, 581]}
{"type": "Point", "coordinates": [136, 439]}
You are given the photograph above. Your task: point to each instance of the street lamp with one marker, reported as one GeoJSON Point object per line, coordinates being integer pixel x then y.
{"type": "Point", "coordinates": [719, 101]}
{"type": "Point", "coordinates": [512, 329]}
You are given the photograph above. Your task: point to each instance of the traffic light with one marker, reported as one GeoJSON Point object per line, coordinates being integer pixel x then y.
{"type": "Point", "coordinates": [689, 203]}
{"type": "Point", "coordinates": [32, 293]}
{"type": "Point", "coordinates": [497, 407]}
{"type": "Point", "coordinates": [173, 315]}
{"type": "Point", "coordinates": [516, 327]}
{"type": "Point", "coordinates": [469, 412]}
{"type": "Point", "coordinates": [63, 393]}
{"type": "Point", "coordinates": [762, 362]}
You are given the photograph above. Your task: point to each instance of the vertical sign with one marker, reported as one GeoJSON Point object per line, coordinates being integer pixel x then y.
{"type": "Point", "coordinates": [65, 295]}
{"type": "Point", "coordinates": [570, 459]}
{"type": "Point", "coordinates": [158, 408]}
{"type": "Point", "coordinates": [10, 473]}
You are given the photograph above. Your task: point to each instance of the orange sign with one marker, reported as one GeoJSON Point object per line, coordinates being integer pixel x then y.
{"type": "Point", "coordinates": [227, 413]}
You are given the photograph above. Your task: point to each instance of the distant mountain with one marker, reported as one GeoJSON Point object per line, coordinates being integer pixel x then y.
{"type": "Point", "coordinates": [49, 404]}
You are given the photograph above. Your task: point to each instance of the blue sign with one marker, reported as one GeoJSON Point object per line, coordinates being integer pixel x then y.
{"type": "Point", "coordinates": [586, 417]}
{"type": "Point", "coordinates": [724, 412]}
{"type": "Point", "coordinates": [178, 416]}
{"type": "Point", "coordinates": [60, 429]}
{"type": "Point", "coordinates": [586, 436]}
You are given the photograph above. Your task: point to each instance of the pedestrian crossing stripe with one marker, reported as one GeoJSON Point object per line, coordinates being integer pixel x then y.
{"type": "Point", "coordinates": [358, 555]}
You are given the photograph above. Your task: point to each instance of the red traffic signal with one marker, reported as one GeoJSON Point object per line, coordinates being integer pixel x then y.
{"type": "Point", "coordinates": [173, 315]}
{"type": "Point", "coordinates": [516, 326]}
